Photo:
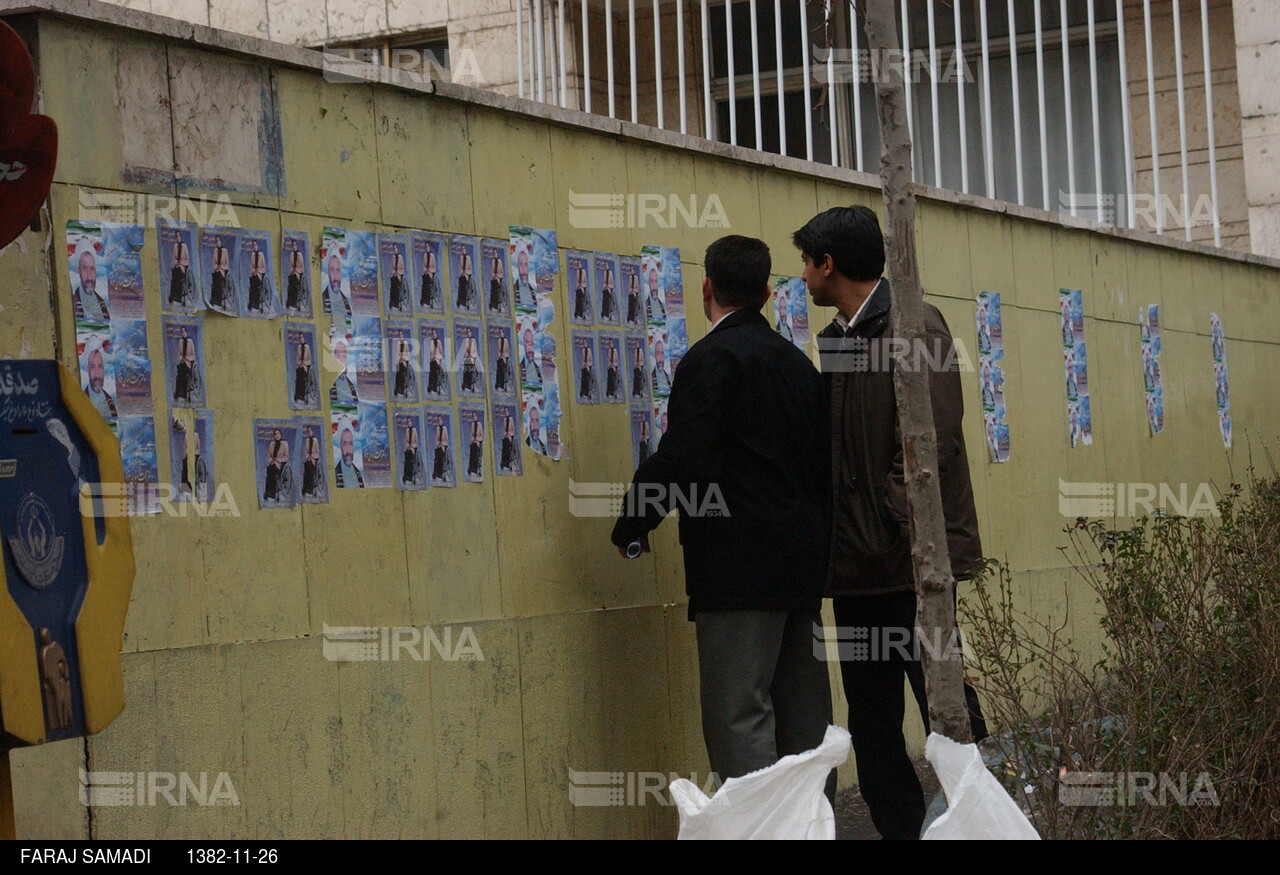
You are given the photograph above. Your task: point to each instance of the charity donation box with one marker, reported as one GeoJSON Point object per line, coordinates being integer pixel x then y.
{"type": "Point", "coordinates": [68, 558]}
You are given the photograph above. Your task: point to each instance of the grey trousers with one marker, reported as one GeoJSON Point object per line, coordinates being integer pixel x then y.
{"type": "Point", "coordinates": [764, 693]}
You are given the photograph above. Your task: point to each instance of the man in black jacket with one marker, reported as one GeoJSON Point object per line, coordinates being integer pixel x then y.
{"type": "Point", "coordinates": [870, 575]}
{"type": "Point", "coordinates": [744, 456]}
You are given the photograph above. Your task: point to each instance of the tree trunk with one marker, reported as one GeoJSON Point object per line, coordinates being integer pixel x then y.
{"type": "Point", "coordinates": [935, 611]}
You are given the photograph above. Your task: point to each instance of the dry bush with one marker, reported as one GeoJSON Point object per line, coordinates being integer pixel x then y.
{"type": "Point", "coordinates": [1187, 689]}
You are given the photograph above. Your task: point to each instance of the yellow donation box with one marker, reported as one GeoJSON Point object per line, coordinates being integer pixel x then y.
{"type": "Point", "coordinates": [68, 559]}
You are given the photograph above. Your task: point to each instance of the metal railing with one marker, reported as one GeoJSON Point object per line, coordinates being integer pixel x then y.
{"type": "Point", "coordinates": [1045, 82]}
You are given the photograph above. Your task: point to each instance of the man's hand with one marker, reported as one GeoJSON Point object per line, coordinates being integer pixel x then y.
{"type": "Point", "coordinates": [643, 541]}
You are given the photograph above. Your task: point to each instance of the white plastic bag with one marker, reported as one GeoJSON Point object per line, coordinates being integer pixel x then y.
{"type": "Point", "coordinates": [784, 801]}
{"type": "Point", "coordinates": [977, 806]}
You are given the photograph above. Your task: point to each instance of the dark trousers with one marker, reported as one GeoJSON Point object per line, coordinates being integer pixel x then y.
{"type": "Point", "coordinates": [765, 694]}
{"type": "Point", "coordinates": [874, 688]}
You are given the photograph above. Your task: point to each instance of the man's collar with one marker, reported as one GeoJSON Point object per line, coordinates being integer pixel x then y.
{"type": "Point", "coordinates": [873, 305]}
{"type": "Point", "coordinates": [735, 317]}
{"type": "Point", "coordinates": [716, 324]}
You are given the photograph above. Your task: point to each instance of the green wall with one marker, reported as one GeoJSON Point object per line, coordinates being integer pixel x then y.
{"type": "Point", "coordinates": [588, 661]}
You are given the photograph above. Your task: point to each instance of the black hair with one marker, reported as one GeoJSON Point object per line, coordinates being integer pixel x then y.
{"type": "Point", "coordinates": [851, 236]}
{"type": "Point", "coordinates": [739, 269]}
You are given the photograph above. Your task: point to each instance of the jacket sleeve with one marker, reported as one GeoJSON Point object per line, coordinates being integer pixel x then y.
{"type": "Point", "coordinates": [946, 397]}
{"type": "Point", "coordinates": [690, 451]}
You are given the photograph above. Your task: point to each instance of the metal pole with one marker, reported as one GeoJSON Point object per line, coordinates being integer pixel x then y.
{"type": "Point", "coordinates": [857, 88]}
{"type": "Point", "coordinates": [782, 106]}
{"type": "Point", "coordinates": [1066, 99]}
{"type": "Point", "coordinates": [1017, 101]}
{"type": "Point", "coordinates": [560, 54]}
{"type": "Point", "coordinates": [831, 90]}
{"type": "Point", "coordinates": [1208, 108]}
{"type": "Point", "coordinates": [808, 98]}
{"type": "Point", "coordinates": [755, 74]}
{"type": "Point", "coordinates": [520, 47]}
{"type": "Point", "coordinates": [1093, 105]}
{"type": "Point", "coordinates": [933, 95]}
{"type": "Point", "coordinates": [539, 67]}
{"type": "Point", "coordinates": [1126, 117]}
{"type": "Point", "coordinates": [1044, 130]}
{"type": "Point", "coordinates": [987, 159]}
{"type": "Point", "coordinates": [906, 84]}
{"type": "Point", "coordinates": [1182, 116]}
{"type": "Point", "coordinates": [706, 69]}
{"type": "Point", "coordinates": [586, 60]}
{"type": "Point", "coordinates": [608, 51]}
{"type": "Point", "coordinates": [631, 35]}
{"type": "Point", "coordinates": [961, 69]}
{"type": "Point", "coordinates": [657, 63]}
{"type": "Point", "coordinates": [1151, 113]}
{"type": "Point", "coordinates": [733, 100]}
{"type": "Point", "coordinates": [684, 112]}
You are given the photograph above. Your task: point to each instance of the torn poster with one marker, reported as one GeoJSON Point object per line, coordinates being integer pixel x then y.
{"type": "Point", "coordinates": [1075, 365]}
{"type": "Point", "coordinates": [991, 374]}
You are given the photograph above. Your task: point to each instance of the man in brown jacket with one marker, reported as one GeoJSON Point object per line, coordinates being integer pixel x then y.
{"type": "Point", "coordinates": [869, 570]}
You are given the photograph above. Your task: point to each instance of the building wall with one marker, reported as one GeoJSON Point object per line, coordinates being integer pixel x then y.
{"type": "Point", "coordinates": [486, 29]}
{"type": "Point", "coordinates": [484, 32]}
{"type": "Point", "coordinates": [1258, 58]}
{"type": "Point", "coordinates": [1233, 201]}
{"type": "Point", "coordinates": [290, 21]}
{"type": "Point", "coordinates": [588, 661]}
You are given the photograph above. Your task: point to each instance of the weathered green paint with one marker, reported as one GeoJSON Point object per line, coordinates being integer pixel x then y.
{"type": "Point", "coordinates": [589, 663]}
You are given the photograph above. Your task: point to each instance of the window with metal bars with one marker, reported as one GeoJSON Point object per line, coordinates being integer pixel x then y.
{"type": "Point", "coordinates": [975, 125]}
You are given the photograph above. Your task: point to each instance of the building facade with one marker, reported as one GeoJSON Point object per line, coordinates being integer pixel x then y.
{"type": "Point", "coordinates": [583, 663]}
{"type": "Point", "coordinates": [1172, 150]}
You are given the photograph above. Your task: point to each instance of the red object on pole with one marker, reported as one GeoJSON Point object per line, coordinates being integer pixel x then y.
{"type": "Point", "coordinates": [28, 143]}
